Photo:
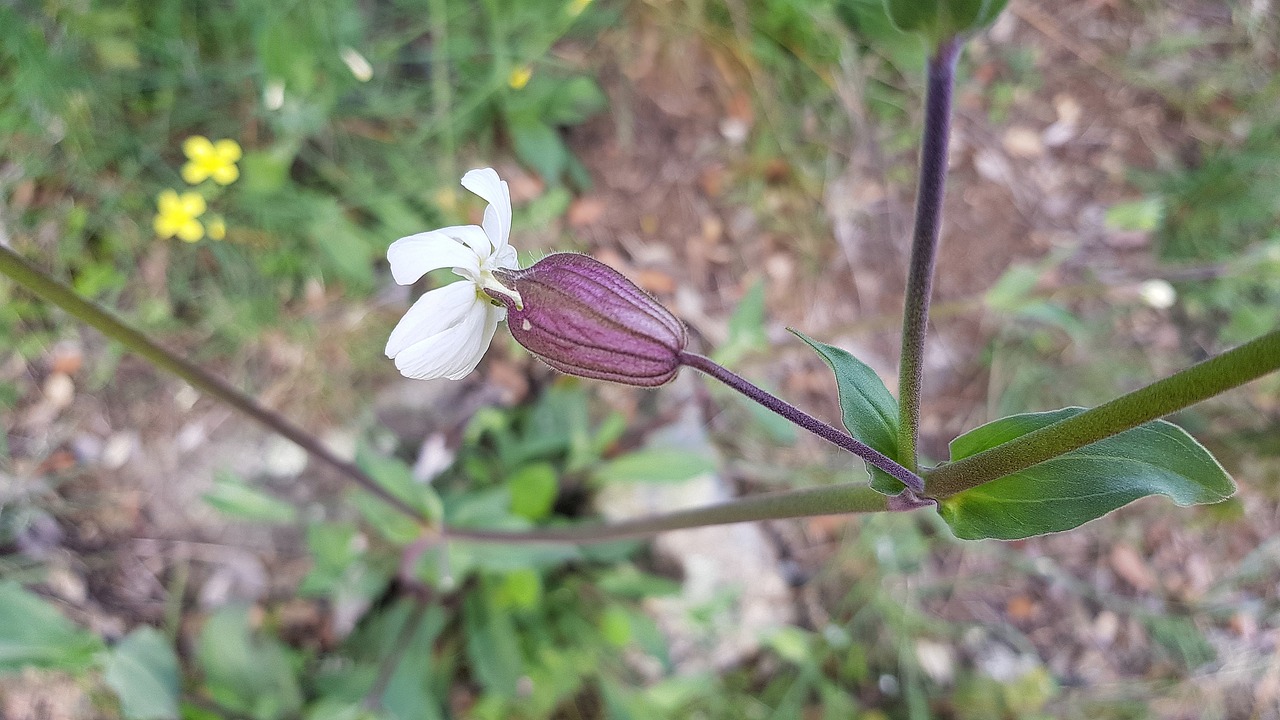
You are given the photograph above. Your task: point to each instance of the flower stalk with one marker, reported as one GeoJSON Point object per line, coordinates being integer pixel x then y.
{"type": "Point", "coordinates": [924, 244]}
{"type": "Point", "coordinates": [827, 432]}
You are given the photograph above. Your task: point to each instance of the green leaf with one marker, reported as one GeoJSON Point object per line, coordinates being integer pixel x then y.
{"type": "Point", "coordinates": [746, 328]}
{"type": "Point", "coordinates": [628, 582]}
{"type": "Point", "coordinates": [495, 557]}
{"type": "Point", "coordinates": [615, 626]}
{"type": "Point", "coordinates": [339, 241]}
{"type": "Point", "coordinates": [539, 146]}
{"type": "Point", "coordinates": [1136, 216]}
{"type": "Point", "coordinates": [335, 549]}
{"type": "Point", "coordinates": [397, 479]}
{"type": "Point", "coordinates": [521, 590]}
{"type": "Point", "coordinates": [233, 497]}
{"type": "Point", "coordinates": [143, 672]}
{"type": "Point", "coordinates": [574, 101]}
{"type": "Point", "coordinates": [533, 490]}
{"type": "Point", "coordinates": [34, 634]}
{"type": "Point", "coordinates": [913, 16]}
{"type": "Point", "coordinates": [1014, 288]}
{"type": "Point", "coordinates": [1181, 639]}
{"type": "Point", "coordinates": [870, 413]}
{"type": "Point", "coordinates": [247, 675]}
{"type": "Point", "coordinates": [1158, 458]}
{"type": "Point", "coordinates": [872, 25]}
{"type": "Point", "coordinates": [382, 633]}
{"type": "Point", "coordinates": [492, 649]}
{"type": "Point", "coordinates": [656, 465]}
{"type": "Point", "coordinates": [937, 20]}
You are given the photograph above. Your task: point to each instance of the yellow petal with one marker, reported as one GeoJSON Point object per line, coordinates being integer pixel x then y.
{"type": "Point", "coordinates": [520, 77]}
{"type": "Point", "coordinates": [194, 173]}
{"type": "Point", "coordinates": [193, 204]}
{"type": "Point", "coordinates": [227, 150]}
{"type": "Point", "coordinates": [164, 228]}
{"type": "Point", "coordinates": [167, 201]}
{"type": "Point", "coordinates": [191, 231]}
{"type": "Point", "coordinates": [197, 147]}
{"type": "Point", "coordinates": [226, 174]}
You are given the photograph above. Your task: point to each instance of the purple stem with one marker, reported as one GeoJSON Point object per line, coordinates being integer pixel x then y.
{"type": "Point", "coordinates": [924, 243]}
{"type": "Point", "coordinates": [827, 432]}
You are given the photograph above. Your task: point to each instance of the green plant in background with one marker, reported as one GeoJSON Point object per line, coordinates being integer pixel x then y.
{"type": "Point", "coordinates": [98, 98]}
{"type": "Point", "coordinates": [491, 573]}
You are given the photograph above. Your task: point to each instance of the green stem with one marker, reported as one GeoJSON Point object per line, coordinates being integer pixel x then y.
{"type": "Point", "coordinates": [33, 279]}
{"type": "Point", "coordinates": [924, 245]}
{"type": "Point", "coordinates": [1195, 384]}
{"type": "Point", "coordinates": [809, 502]}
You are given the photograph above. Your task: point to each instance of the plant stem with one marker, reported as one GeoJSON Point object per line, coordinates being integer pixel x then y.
{"type": "Point", "coordinates": [809, 502]}
{"type": "Point", "coordinates": [1198, 382]}
{"type": "Point", "coordinates": [799, 417]}
{"type": "Point", "coordinates": [924, 244]}
{"type": "Point", "coordinates": [832, 499]}
{"type": "Point", "coordinates": [36, 281]}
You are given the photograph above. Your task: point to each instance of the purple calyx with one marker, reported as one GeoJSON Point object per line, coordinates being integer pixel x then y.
{"type": "Point", "coordinates": [584, 318]}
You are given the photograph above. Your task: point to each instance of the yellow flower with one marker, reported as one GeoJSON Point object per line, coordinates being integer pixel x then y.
{"type": "Point", "coordinates": [217, 228]}
{"type": "Point", "coordinates": [177, 215]}
{"type": "Point", "coordinates": [575, 7]}
{"type": "Point", "coordinates": [519, 77]}
{"type": "Point", "coordinates": [210, 160]}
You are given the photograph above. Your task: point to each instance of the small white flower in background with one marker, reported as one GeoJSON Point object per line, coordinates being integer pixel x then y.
{"type": "Point", "coordinates": [1158, 294]}
{"type": "Point", "coordinates": [357, 64]}
{"type": "Point", "coordinates": [447, 330]}
{"type": "Point", "coordinates": [273, 95]}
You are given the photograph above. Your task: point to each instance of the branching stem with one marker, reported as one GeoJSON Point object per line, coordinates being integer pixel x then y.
{"type": "Point", "coordinates": [827, 432]}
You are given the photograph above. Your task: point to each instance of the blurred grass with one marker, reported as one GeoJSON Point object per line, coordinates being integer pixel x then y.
{"type": "Point", "coordinates": [340, 159]}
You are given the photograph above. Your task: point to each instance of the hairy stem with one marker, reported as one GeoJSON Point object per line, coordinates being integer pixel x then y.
{"type": "Point", "coordinates": [924, 244]}
{"type": "Point", "coordinates": [36, 281]}
{"type": "Point", "coordinates": [827, 432]}
{"type": "Point", "coordinates": [1198, 382]}
{"type": "Point", "coordinates": [809, 502]}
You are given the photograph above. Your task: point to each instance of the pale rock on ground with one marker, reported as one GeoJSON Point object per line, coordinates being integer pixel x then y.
{"type": "Point", "coordinates": [732, 568]}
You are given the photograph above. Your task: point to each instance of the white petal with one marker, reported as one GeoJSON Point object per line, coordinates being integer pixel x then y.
{"type": "Point", "coordinates": [445, 353]}
{"type": "Point", "coordinates": [414, 256]}
{"type": "Point", "coordinates": [481, 343]}
{"type": "Point", "coordinates": [505, 258]}
{"type": "Point", "coordinates": [432, 314]}
{"type": "Point", "coordinates": [497, 217]}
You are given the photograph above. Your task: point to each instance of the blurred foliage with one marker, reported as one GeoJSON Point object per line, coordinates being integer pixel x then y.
{"type": "Point", "coordinates": [351, 118]}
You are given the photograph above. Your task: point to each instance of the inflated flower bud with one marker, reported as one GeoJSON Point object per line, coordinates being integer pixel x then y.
{"type": "Point", "coordinates": [937, 20]}
{"type": "Point", "coordinates": [582, 317]}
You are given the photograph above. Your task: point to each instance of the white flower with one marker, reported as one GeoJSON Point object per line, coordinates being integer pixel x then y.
{"type": "Point", "coordinates": [1158, 294]}
{"type": "Point", "coordinates": [447, 330]}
